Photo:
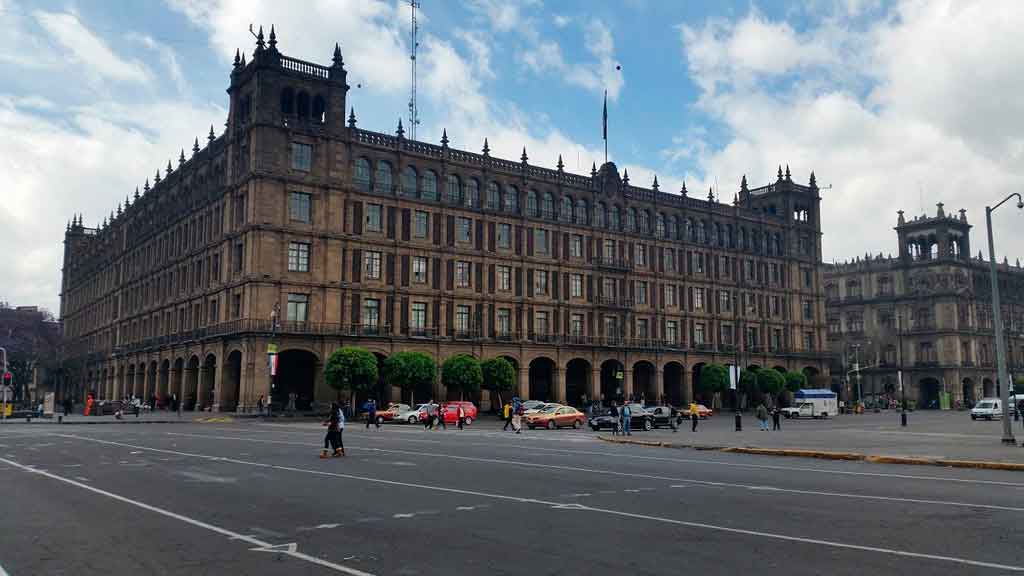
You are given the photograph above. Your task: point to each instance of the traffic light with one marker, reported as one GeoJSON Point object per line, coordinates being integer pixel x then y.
{"type": "Point", "coordinates": [7, 377]}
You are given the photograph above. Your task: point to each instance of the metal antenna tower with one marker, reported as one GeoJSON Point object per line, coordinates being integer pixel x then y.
{"type": "Point", "coordinates": [414, 112]}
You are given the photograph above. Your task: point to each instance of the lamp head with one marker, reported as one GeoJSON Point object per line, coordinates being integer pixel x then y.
{"type": "Point", "coordinates": [1020, 203]}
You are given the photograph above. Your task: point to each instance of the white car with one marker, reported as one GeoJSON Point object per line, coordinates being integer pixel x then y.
{"type": "Point", "coordinates": [409, 414]}
{"type": "Point", "coordinates": [988, 409]}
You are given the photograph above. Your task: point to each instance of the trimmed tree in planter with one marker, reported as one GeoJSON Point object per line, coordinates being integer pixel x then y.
{"type": "Point", "coordinates": [409, 370]}
{"type": "Point", "coordinates": [714, 379]}
{"type": "Point", "coordinates": [771, 383]}
{"type": "Point", "coordinates": [353, 369]}
{"type": "Point", "coordinates": [462, 372]}
{"type": "Point", "coordinates": [499, 376]}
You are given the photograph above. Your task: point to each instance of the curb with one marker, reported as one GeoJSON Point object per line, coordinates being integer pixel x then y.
{"type": "Point", "coordinates": [101, 423]}
{"type": "Point", "coordinates": [827, 455]}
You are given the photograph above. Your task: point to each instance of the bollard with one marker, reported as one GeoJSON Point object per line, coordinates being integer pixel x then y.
{"type": "Point", "coordinates": [739, 422]}
{"type": "Point", "coordinates": [60, 419]}
{"type": "Point", "coordinates": [903, 418]}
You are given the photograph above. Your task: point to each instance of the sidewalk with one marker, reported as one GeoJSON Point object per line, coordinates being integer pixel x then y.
{"type": "Point", "coordinates": [929, 437]}
{"type": "Point", "coordinates": [158, 417]}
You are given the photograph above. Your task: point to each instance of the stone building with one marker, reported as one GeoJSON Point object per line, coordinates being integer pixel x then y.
{"type": "Point", "coordinates": [934, 301]}
{"type": "Point", "coordinates": [296, 228]}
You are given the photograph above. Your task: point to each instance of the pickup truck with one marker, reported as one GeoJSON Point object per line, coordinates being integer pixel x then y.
{"type": "Point", "coordinates": [805, 410]}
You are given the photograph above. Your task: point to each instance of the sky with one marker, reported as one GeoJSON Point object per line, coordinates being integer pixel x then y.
{"type": "Point", "coordinates": [893, 105]}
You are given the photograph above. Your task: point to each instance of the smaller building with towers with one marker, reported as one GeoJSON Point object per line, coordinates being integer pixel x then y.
{"type": "Point", "coordinates": [927, 311]}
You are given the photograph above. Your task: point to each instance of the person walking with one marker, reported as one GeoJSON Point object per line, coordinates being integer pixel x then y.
{"type": "Point", "coordinates": [259, 405]}
{"type": "Point", "coordinates": [428, 419]}
{"type": "Point", "coordinates": [462, 417]}
{"type": "Point", "coordinates": [506, 412]}
{"type": "Point", "coordinates": [440, 416]}
{"type": "Point", "coordinates": [627, 419]}
{"type": "Point", "coordinates": [517, 419]}
{"type": "Point", "coordinates": [776, 419]}
{"type": "Point", "coordinates": [613, 411]}
{"type": "Point", "coordinates": [694, 416]}
{"type": "Point", "coordinates": [762, 416]}
{"type": "Point", "coordinates": [371, 412]}
{"type": "Point", "coordinates": [333, 437]}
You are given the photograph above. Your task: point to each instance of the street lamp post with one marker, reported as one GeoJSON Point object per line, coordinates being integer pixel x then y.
{"type": "Point", "coordinates": [899, 372]}
{"type": "Point", "coordinates": [1004, 376]}
{"type": "Point", "coordinates": [856, 370]}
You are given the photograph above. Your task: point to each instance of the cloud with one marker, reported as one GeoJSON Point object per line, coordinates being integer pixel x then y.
{"type": "Point", "coordinates": [914, 108]}
{"type": "Point", "coordinates": [84, 47]}
{"type": "Point", "coordinates": [168, 58]}
{"type": "Point", "coordinates": [542, 55]}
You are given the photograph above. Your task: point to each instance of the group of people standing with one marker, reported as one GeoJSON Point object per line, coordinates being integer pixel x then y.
{"type": "Point", "coordinates": [762, 413]}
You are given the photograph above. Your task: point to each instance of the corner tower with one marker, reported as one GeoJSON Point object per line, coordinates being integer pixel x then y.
{"type": "Point", "coordinates": [939, 237]}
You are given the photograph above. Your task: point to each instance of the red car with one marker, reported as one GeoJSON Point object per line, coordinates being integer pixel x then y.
{"type": "Point", "coordinates": [450, 410]}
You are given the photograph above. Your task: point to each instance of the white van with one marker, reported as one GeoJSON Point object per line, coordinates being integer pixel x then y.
{"type": "Point", "coordinates": [988, 409]}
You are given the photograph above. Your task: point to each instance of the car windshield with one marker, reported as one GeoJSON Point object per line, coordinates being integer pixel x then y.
{"type": "Point", "coordinates": [985, 404]}
{"type": "Point", "coordinates": [549, 409]}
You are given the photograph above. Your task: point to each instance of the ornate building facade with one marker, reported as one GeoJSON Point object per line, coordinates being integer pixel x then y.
{"type": "Point", "coordinates": [297, 229]}
{"type": "Point", "coordinates": [929, 311]}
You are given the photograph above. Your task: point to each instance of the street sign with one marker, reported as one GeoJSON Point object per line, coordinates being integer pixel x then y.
{"type": "Point", "coordinates": [618, 375]}
{"type": "Point", "coordinates": [271, 348]}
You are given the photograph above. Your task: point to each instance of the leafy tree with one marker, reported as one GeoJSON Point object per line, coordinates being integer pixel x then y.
{"type": "Point", "coordinates": [462, 372]}
{"type": "Point", "coordinates": [795, 381]}
{"type": "Point", "coordinates": [770, 382]}
{"type": "Point", "coordinates": [748, 381]}
{"type": "Point", "coordinates": [353, 369]}
{"type": "Point", "coordinates": [409, 370]}
{"type": "Point", "coordinates": [499, 376]}
{"type": "Point", "coordinates": [714, 378]}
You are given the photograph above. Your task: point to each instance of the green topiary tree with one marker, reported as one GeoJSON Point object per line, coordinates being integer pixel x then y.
{"type": "Point", "coordinates": [353, 369]}
{"type": "Point", "coordinates": [714, 378]}
{"type": "Point", "coordinates": [795, 381]}
{"type": "Point", "coordinates": [409, 370]}
{"type": "Point", "coordinates": [771, 382]}
{"type": "Point", "coordinates": [499, 376]}
{"type": "Point", "coordinates": [462, 372]}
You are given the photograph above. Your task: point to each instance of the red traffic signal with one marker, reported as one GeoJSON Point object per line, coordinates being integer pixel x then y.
{"type": "Point", "coordinates": [7, 376]}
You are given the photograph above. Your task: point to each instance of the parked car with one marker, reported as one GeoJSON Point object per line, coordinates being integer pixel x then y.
{"type": "Point", "coordinates": [665, 416]}
{"type": "Point", "coordinates": [409, 414]}
{"type": "Point", "coordinates": [389, 414]}
{"type": "Point", "coordinates": [450, 412]}
{"type": "Point", "coordinates": [532, 405]}
{"type": "Point", "coordinates": [703, 412]}
{"type": "Point", "coordinates": [988, 409]}
{"type": "Point", "coordinates": [555, 416]}
{"type": "Point", "coordinates": [538, 409]}
{"type": "Point", "coordinates": [640, 419]}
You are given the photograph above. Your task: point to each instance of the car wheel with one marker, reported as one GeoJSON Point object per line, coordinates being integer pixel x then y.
{"type": "Point", "coordinates": [380, 420]}
{"type": "Point", "coordinates": [413, 420]}
{"type": "Point", "coordinates": [648, 426]}
{"type": "Point", "coordinates": [467, 421]}
{"type": "Point", "coordinates": [576, 424]}
{"type": "Point", "coordinates": [973, 417]}
{"type": "Point", "coordinates": [531, 426]}
{"type": "Point", "coordinates": [552, 425]}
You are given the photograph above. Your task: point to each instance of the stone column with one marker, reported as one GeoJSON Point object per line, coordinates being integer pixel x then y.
{"type": "Point", "coordinates": [217, 391]}
{"type": "Point", "coordinates": [558, 385]}
{"type": "Point", "coordinates": [594, 388]}
{"type": "Point", "coordinates": [659, 386]}
{"type": "Point", "coordinates": [524, 384]}
{"type": "Point", "coordinates": [627, 382]}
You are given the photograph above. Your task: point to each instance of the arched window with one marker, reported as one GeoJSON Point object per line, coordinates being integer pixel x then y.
{"type": "Point", "coordinates": [472, 193]}
{"type": "Point", "coordinates": [565, 212]}
{"type": "Point", "coordinates": [510, 202]}
{"type": "Point", "coordinates": [599, 215]}
{"type": "Point", "coordinates": [670, 231]}
{"type": "Point", "coordinates": [547, 207]}
{"type": "Point", "coordinates": [713, 229]}
{"type": "Point", "coordinates": [531, 203]}
{"type": "Point", "coordinates": [613, 218]}
{"type": "Point", "coordinates": [730, 236]}
{"type": "Point", "coordinates": [701, 232]}
{"type": "Point", "coordinates": [409, 178]}
{"type": "Point", "coordinates": [719, 235]}
{"type": "Point", "coordinates": [580, 216]}
{"type": "Point", "coordinates": [429, 186]}
{"type": "Point", "coordinates": [319, 109]}
{"type": "Point", "coordinates": [778, 244]}
{"type": "Point", "coordinates": [302, 105]}
{"type": "Point", "coordinates": [689, 233]}
{"type": "Point", "coordinates": [382, 180]}
{"type": "Point", "coordinates": [630, 220]}
{"type": "Point", "coordinates": [644, 221]}
{"type": "Point", "coordinates": [493, 197]}
{"type": "Point", "coordinates": [743, 239]}
{"type": "Point", "coordinates": [454, 190]}
{"type": "Point", "coordinates": [287, 101]}
{"type": "Point", "coordinates": [659, 225]}
{"type": "Point", "coordinates": [361, 176]}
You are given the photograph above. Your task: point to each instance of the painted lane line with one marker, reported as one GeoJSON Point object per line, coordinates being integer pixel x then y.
{"type": "Point", "coordinates": [410, 515]}
{"type": "Point", "coordinates": [622, 454]}
{"type": "Point", "coordinates": [520, 463]}
{"type": "Point", "coordinates": [679, 486]}
{"type": "Point", "coordinates": [198, 523]}
{"type": "Point", "coordinates": [525, 500]}
{"type": "Point", "coordinates": [464, 508]}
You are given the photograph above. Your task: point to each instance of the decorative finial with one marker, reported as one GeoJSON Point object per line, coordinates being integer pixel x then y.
{"type": "Point", "coordinates": [683, 189]}
{"type": "Point", "coordinates": [210, 136]}
{"type": "Point", "coordinates": [743, 183]}
{"type": "Point", "coordinates": [169, 169]}
{"type": "Point", "coordinates": [711, 194]}
{"type": "Point", "coordinates": [735, 199]}
{"type": "Point", "coordinates": [901, 220]}
{"type": "Point", "coordinates": [238, 58]}
{"type": "Point", "coordinates": [401, 131]}
{"type": "Point", "coordinates": [136, 193]}
{"type": "Point", "coordinates": [195, 146]}
{"type": "Point", "coordinates": [118, 208]}
{"type": "Point", "coordinates": [814, 181]}
{"type": "Point", "coordinates": [157, 179]}
{"type": "Point", "coordinates": [259, 40]}
{"type": "Point", "coordinates": [444, 137]}
{"type": "Point", "coordinates": [655, 185]}
{"type": "Point", "coordinates": [593, 169]}
{"type": "Point", "coordinates": [780, 172]}
{"type": "Point", "coordinates": [145, 188]}
{"type": "Point", "coordinates": [243, 59]}
{"type": "Point", "coordinates": [181, 158]}
{"type": "Point", "coordinates": [625, 177]}
{"type": "Point", "coordinates": [524, 157]}
{"type": "Point", "coordinates": [788, 179]}
{"type": "Point", "coordinates": [337, 55]}
{"type": "Point", "coordinates": [104, 225]}
{"type": "Point", "coordinates": [560, 166]}
{"type": "Point", "coordinates": [963, 215]}
{"type": "Point", "coordinates": [273, 38]}
{"type": "Point", "coordinates": [352, 117]}
{"type": "Point", "coordinates": [940, 213]}
{"type": "Point", "coordinates": [487, 148]}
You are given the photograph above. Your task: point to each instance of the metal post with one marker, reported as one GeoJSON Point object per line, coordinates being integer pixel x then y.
{"type": "Point", "coordinates": [3, 388]}
{"type": "Point", "coordinates": [1004, 377]}
{"type": "Point", "coordinates": [856, 368]}
{"type": "Point", "coordinates": [899, 373]}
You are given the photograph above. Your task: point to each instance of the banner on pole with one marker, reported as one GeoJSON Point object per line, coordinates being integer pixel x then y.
{"type": "Point", "coordinates": [272, 359]}
{"type": "Point", "coordinates": [734, 377]}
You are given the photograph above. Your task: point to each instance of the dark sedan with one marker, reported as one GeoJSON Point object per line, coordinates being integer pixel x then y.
{"type": "Point", "coordinates": [640, 419]}
{"type": "Point", "coordinates": [665, 416]}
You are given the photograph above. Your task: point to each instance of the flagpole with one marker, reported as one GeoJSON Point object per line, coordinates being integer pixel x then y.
{"type": "Point", "coordinates": [605, 126]}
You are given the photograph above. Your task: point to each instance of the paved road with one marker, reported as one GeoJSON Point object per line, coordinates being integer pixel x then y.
{"type": "Point", "coordinates": [252, 498]}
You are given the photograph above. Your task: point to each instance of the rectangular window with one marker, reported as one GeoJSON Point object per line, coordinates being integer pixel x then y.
{"type": "Point", "coordinates": [641, 329]}
{"type": "Point", "coordinates": [465, 229]}
{"type": "Point", "coordinates": [670, 295]}
{"type": "Point", "coordinates": [672, 331]}
{"type": "Point", "coordinates": [418, 316]}
{"type": "Point", "coordinates": [462, 272]}
{"type": "Point", "coordinates": [371, 313]}
{"type": "Point", "coordinates": [374, 219]}
{"type": "Point", "coordinates": [576, 286]}
{"type": "Point", "coordinates": [726, 336]}
{"type": "Point", "coordinates": [641, 292]}
{"type": "Point", "coordinates": [419, 269]}
{"type": "Point", "coordinates": [808, 340]}
{"type": "Point", "coordinates": [371, 265]}
{"type": "Point", "coordinates": [462, 319]}
{"type": "Point", "coordinates": [724, 301]}
{"type": "Point", "coordinates": [300, 207]}
{"type": "Point", "coordinates": [641, 255]}
{"type": "Point", "coordinates": [698, 298]}
{"type": "Point", "coordinates": [669, 259]}
{"type": "Point", "coordinates": [776, 339]}
{"type": "Point", "coordinates": [504, 235]}
{"type": "Point", "coordinates": [540, 322]}
{"type": "Point", "coordinates": [699, 262]}
{"type": "Point", "coordinates": [808, 308]}
{"type": "Point", "coordinates": [608, 288]}
{"type": "Point", "coordinates": [608, 249]}
{"type": "Point", "coordinates": [576, 325]}
{"type": "Point", "coordinates": [302, 156]}
{"type": "Point", "coordinates": [236, 306]}
{"type": "Point", "coordinates": [238, 257]}
{"type": "Point", "coordinates": [298, 307]}
{"type": "Point", "coordinates": [214, 311]}
{"type": "Point", "coordinates": [576, 246]}
{"type": "Point", "coordinates": [504, 278]}
{"type": "Point", "coordinates": [611, 326]}
{"type": "Point", "coordinates": [298, 257]}
{"type": "Point", "coordinates": [698, 333]}
{"type": "Point", "coordinates": [726, 271]}
{"type": "Point", "coordinates": [504, 321]}
{"type": "Point", "coordinates": [540, 241]}
{"type": "Point", "coordinates": [540, 282]}
{"type": "Point", "coordinates": [808, 277]}
{"type": "Point", "coordinates": [420, 227]}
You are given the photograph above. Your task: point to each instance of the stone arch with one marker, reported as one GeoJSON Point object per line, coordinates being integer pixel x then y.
{"type": "Point", "coordinates": [611, 384]}
{"type": "Point", "coordinates": [207, 397]}
{"type": "Point", "coordinates": [302, 104]}
{"type": "Point", "coordinates": [190, 391]}
{"type": "Point", "coordinates": [577, 382]}
{"type": "Point", "coordinates": [287, 100]}
{"type": "Point", "coordinates": [296, 375]}
{"type": "Point", "coordinates": [676, 391]}
{"type": "Point", "coordinates": [780, 369]}
{"type": "Point", "coordinates": [928, 390]}
{"type": "Point", "coordinates": [698, 395]}
{"type": "Point", "coordinates": [645, 385]}
{"type": "Point", "coordinates": [810, 372]}
{"type": "Point", "coordinates": [988, 388]}
{"type": "Point", "coordinates": [541, 378]}
{"type": "Point", "coordinates": [319, 109]}
{"type": "Point", "coordinates": [967, 392]}
{"type": "Point", "coordinates": [164, 390]}
{"type": "Point", "coordinates": [231, 381]}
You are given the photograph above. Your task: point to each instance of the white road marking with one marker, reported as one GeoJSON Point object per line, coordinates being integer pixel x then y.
{"type": "Point", "coordinates": [578, 495]}
{"type": "Point", "coordinates": [82, 478]}
{"type": "Point", "coordinates": [634, 490]}
{"type": "Point", "coordinates": [521, 463]}
{"type": "Point", "coordinates": [327, 526]}
{"type": "Point", "coordinates": [198, 523]}
{"type": "Point", "coordinates": [619, 454]}
{"type": "Point", "coordinates": [2, 571]}
{"type": "Point", "coordinates": [506, 497]}
{"type": "Point", "coordinates": [408, 515]}
{"type": "Point", "coordinates": [679, 486]}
